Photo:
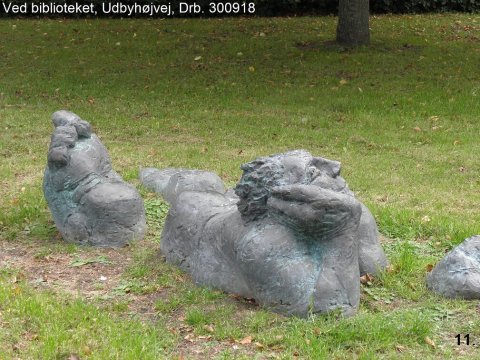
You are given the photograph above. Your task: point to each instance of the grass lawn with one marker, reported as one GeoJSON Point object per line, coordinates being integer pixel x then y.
{"type": "Point", "coordinates": [402, 115]}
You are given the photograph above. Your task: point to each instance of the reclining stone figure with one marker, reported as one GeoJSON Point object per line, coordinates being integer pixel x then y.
{"type": "Point", "coordinates": [289, 237]}
{"type": "Point", "coordinates": [90, 203]}
{"type": "Point", "coordinates": [457, 275]}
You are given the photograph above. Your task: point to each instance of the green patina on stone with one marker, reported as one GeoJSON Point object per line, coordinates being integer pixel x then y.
{"type": "Point", "coordinates": [291, 234]}
{"type": "Point", "coordinates": [89, 202]}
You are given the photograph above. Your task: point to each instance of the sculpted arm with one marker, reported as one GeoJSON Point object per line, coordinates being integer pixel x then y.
{"type": "Point", "coordinates": [314, 210]}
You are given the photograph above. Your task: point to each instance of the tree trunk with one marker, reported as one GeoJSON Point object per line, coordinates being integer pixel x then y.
{"type": "Point", "coordinates": [352, 28]}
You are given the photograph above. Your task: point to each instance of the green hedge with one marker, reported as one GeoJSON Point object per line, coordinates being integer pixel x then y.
{"type": "Point", "coordinates": [421, 6]}
{"type": "Point", "coordinates": [311, 7]}
{"type": "Point", "coordinates": [277, 7]}
{"type": "Point", "coordinates": [376, 6]}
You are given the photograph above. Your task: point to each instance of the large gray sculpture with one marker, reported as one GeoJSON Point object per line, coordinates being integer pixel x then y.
{"type": "Point", "coordinates": [290, 236]}
{"type": "Point", "coordinates": [90, 203]}
{"type": "Point", "coordinates": [457, 275]}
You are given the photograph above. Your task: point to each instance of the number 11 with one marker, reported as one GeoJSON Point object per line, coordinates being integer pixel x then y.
{"type": "Point", "coordinates": [467, 339]}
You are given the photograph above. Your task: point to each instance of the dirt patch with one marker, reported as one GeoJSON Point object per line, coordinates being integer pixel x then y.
{"type": "Point", "coordinates": [96, 274]}
{"type": "Point", "coordinates": [93, 274]}
{"type": "Point", "coordinates": [89, 274]}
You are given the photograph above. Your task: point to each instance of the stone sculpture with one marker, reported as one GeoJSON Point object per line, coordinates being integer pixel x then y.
{"type": "Point", "coordinates": [289, 235]}
{"type": "Point", "coordinates": [457, 275]}
{"type": "Point", "coordinates": [90, 203]}
{"type": "Point", "coordinates": [171, 182]}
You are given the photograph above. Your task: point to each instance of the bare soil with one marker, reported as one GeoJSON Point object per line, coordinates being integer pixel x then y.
{"type": "Point", "coordinates": [94, 274]}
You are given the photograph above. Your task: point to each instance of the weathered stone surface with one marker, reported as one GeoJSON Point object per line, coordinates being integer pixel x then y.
{"type": "Point", "coordinates": [289, 237]}
{"type": "Point", "coordinates": [371, 258]}
{"type": "Point", "coordinates": [457, 275]}
{"type": "Point", "coordinates": [171, 182]}
{"type": "Point", "coordinates": [90, 203]}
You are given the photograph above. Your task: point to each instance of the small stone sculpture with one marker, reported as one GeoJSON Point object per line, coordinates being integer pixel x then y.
{"type": "Point", "coordinates": [90, 203]}
{"type": "Point", "coordinates": [457, 275]}
{"type": "Point", "coordinates": [289, 236]}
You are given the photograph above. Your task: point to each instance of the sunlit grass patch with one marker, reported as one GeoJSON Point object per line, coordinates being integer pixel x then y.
{"type": "Point", "coordinates": [43, 325]}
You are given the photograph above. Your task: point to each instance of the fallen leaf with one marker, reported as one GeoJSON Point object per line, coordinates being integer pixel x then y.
{"type": "Point", "coordinates": [426, 219]}
{"type": "Point", "coordinates": [208, 328]}
{"type": "Point", "coordinates": [189, 338]}
{"type": "Point", "coordinates": [390, 269]}
{"type": "Point", "coordinates": [417, 128]}
{"type": "Point", "coordinates": [429, 267]}
{"type": "Point", "coordinates": [179, 278]}
{"type": "Point", "coordinates": [343, 82]}
{"type": "Point", "coordinates": [87, 350]}
{"type": "Point", "coordinates": [383, 198]}
{"type": "Point", "coordinates": [429, 342]}
{"type": "Point", "coordinates": [251, 69]}
{"type": "Point", "coordinates": [259, 345]}
{"type": "Point", "coordinates": [246, 340]}
{"type": "Point", "coordinates": [186, 328]}
{"type": "Point", "coordinates": [400, 348]}
{"type": "Point", "coordinates": [17, 290]}
{"type": "Point", "coordinates": [366, 279]}
{"type": "Point", "coordinates": [203, 337]}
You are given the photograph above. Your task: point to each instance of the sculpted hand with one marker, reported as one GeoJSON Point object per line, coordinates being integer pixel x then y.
{"type": "Point", "coordinates": [312, 209]}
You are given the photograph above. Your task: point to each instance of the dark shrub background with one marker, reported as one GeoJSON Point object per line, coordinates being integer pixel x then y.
{"type": "Point", "coordinates": [310, 7]}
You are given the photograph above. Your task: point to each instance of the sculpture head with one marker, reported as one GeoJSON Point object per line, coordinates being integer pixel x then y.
{"type": "Point", "coordinates": [75, 152]}
{"type": "Point", "coordinates": [298, 167]}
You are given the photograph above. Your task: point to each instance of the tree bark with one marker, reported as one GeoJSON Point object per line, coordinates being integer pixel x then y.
{"type": "Point", "coordinates": [352, 28]}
